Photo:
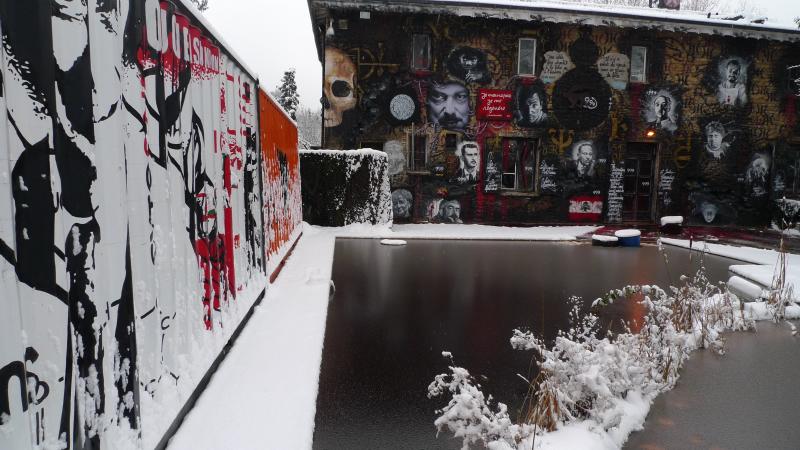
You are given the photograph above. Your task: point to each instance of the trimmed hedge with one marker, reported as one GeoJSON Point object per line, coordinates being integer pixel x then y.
{"type": "Point", "coordinates": [342, 187]}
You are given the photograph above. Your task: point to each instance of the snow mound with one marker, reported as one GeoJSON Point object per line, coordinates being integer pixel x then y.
{"type": "Point", "coordinates": [627, 233]}
{"type": "Point", "coordinates": [745, 289]}
{"type": "Point", "coordinates": [604, 238]}
{"type": "Point", "coordinates": [393, 242]}
{"type": "Point", "coordinates": [671, 220]}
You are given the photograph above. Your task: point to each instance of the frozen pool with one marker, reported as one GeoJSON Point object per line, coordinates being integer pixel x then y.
{"type": "Point", "coordinates": [397, 308]}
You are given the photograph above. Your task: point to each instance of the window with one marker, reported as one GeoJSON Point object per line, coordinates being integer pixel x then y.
{"type": "Point", "coordinates": [511, 165]}
{"type": "Point", "coordinates": [526, 58]}
{"type": "Point", "coordinates": [419, 155]}
{"type": "Point", "coordinates": [421, 48]}
{"type": "Point", "coordinates": [638, 64]}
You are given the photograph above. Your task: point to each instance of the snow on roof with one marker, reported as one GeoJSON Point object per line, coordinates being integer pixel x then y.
{"type": "Point", "coordinates": [582, 14]}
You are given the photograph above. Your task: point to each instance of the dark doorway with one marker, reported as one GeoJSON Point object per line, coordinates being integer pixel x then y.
{"type": "Point", "coordinates": [637, 203]}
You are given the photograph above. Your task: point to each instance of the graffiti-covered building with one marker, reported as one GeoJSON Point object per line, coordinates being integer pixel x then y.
{"type": "Point", "coordinates": [513, 113]}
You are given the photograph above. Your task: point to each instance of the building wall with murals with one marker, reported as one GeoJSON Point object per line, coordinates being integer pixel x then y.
{"type": "Point", "coordinates": [506, 121]}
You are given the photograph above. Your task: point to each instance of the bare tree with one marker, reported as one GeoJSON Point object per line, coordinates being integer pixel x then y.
{"type": "Point", "coordinates": [309, 127]}
{"type": "Point", "coordinates": [201, 5]}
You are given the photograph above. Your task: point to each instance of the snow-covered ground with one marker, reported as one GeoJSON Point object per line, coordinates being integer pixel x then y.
{"type": "Point", "coordinates": [471, 232]}
{"type": "Point", "coordinates": [264, 393]}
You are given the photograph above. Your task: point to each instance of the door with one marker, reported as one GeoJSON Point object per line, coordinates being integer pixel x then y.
{"type": "Point", "coordinates": [637, 203]}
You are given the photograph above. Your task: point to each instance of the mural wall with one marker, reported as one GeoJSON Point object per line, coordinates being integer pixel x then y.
{"type": "Point", "coordinates": [524, 122]}
{"type": "Point", "coordinates": [283, 203]}
{"type": "Point", "coordinates": [132, 240]}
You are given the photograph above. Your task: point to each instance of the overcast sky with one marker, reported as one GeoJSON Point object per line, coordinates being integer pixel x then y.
{"type": "Point", "coordinates": [273, 35]}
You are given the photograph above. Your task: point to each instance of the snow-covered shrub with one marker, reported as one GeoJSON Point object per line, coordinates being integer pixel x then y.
{"type": "Point", "coordinates": [585, 375]}
{"type": "Point", "coordinates": [471, 416]}
{"type": "Point", "coordinates": [342, 187]}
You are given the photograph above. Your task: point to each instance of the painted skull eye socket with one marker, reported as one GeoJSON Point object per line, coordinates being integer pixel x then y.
{"type": "Point", "coordinates": [341, 88]}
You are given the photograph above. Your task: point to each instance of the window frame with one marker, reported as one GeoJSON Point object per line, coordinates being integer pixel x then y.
{"type": "Point", "coordinates": [533, 56]}
{"type": "Point", "coordinates": [519, 165]}
{"type": "Point", "coordinates": [644, 72]}
{"type": "Point", "coordinates": [414, 164]}
{"type": "Point", "coordinates": [414, 38]}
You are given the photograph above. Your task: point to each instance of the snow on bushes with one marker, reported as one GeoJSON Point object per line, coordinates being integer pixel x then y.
{"type": "Point", "coordinates": [342, 187]}
{"type": "Point", "coordinates": [600, 382]}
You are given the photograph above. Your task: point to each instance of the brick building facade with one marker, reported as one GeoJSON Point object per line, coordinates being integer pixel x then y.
{"type": "Point", "coordinates": [507, 113]}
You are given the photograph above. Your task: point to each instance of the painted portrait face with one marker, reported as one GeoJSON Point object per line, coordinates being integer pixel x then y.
{"type": "Point", "coordinates": [468, 62]}
{"type": "Point", "coordinates": [448, 105]}
{"type": "Point", "coordinates": [401, 203]}
{"type": "Point", "coordinates": [535, 111]}
{"type": "Point", "coordinates": [450, 210]}
{"type": "Point", "coordinates": [709, 211]}
{"type": "Point", "coordinates": [470, 156]}
{"type": "Point", "coordinates": [585, 154]}
{"type": "Point", "coordinates": [661, 106]}
{"type": "Point", "coordinates": [732, 71]}
{"type": "Point", "coordinates": [714, 140]}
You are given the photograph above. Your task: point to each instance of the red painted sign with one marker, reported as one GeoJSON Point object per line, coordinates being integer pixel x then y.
{"type": "Point", "coordinates": [494, 104]}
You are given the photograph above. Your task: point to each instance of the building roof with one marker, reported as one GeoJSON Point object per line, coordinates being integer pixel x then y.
{"type": "Point", "coordinates": [574, 13]}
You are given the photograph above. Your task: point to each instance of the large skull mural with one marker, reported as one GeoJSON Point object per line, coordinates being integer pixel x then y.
{"type": "Point", "coordinates": [339, 86]}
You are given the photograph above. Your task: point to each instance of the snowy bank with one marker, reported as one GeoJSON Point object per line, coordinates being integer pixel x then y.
{"type": "Point", "coordinates": [762, 262]}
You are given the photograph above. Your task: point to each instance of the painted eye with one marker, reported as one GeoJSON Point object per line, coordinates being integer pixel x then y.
{"type": "Point", "coordinates": [341, 88]}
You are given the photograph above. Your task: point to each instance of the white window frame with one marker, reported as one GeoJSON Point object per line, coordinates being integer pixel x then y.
{"type": "Point", "coordinates": [634, 77]}
{"type": "Point", "coordinates": [427, 38]}
{"type": "Point", "coordinates": [532, 57]}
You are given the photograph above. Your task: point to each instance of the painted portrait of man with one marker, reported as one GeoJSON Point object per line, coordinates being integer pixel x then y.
{"type": "Point", "coordinates": [449, 212]}
{"type": "Point", "coordinates": [469, 162]}
{"type": "Point", "coordinates": [583, 160]}
{"type": "Point", "coordinates": [468, 64]}
{"type": "Point", "coordinates": [732, 90]}
{"type": "Point", "coordinates": [531, 106]}
{"type": "Point", "coordinates": [663, 112]}
{"type": "Point", "coordinates": [448, 105]}
{"type": "Point", "coordinates": [757, 175]}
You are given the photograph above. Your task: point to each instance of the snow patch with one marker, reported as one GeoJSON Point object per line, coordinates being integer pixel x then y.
{"type": "Point", "coordinates": [395, 242]}
{"type": "Point", "coordinates": [671, 220]}
{"type": "Point", "coordinates": [627, 233]}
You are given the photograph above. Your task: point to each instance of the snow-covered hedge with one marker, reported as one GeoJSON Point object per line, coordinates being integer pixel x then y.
{"type": "Point", "coordinates": [342, 187]}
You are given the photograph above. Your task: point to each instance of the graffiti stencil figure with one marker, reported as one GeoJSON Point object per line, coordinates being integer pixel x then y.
{"type": "Point", "coordinates": [401, 203]}
{"type": "Point", "coordinates": [449, 212]}
{"type": "Point", "coordinates": [583, 160]}
{"type": "Point", "coordinates": [469, 162]}
{"type": "Point", "coordinates": [662, 106]}
{"type": "Point", "coordinates": [731, 91]}
{"type": "Point", "coordinates": [715, 140]}
{"type": "Point", "coordinates": [448, 105]}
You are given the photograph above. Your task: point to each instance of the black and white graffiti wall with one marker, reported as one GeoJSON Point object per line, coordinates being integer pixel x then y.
{"type": "Point", "coordinates": [124, 135]}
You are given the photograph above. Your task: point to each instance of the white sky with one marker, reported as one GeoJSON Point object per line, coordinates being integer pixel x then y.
{"type": "Point", "coordinates": [273, 35]}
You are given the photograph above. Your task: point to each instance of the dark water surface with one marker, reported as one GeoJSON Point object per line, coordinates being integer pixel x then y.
{"type": "Point", "coordinates": [397, 308]}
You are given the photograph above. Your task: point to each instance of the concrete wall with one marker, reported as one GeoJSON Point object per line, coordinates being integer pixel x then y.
{"type": "Point", "coordinates": [722, 150]}
{"type": "Point", "coordinates": [132, 237]}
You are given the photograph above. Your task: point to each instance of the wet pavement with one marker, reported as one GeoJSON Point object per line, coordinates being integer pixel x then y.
{"type": "Point", "coordinates": [397, 308]}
